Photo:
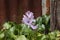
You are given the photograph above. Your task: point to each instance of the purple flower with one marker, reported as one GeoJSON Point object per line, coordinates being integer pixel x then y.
{"type": "Point", "coordinates": [29, 15]}
{"type": "Point", "coordinates": [33, 26]}
{"type": "Point", "coordinates": [28, 19]}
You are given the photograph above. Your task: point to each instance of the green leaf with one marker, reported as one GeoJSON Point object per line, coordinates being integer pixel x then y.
{"type": "Point", "coordinates": [6, 25]}
{"type": "Point", "coordinates": [52, 35]}
{"type": "Point", "coordinates": [45, 19]}
{"type": "Point", "coordinates": [39, 20]}
{"type": "Point", "coordinates": [22, 37]}
{"type": "Point", "coordinates": [2, 35]}
{"type": "Point", "coordinates": [25, 29]}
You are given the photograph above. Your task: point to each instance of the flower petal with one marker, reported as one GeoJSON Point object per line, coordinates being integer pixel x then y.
{"type": "Point", "coordinates": [33, 27]}
{"type": "Point", "coordinates": [27, 13]}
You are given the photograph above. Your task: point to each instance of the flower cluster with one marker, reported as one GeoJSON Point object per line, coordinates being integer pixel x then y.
{"type": "Point", "coordinates": [28, 19]}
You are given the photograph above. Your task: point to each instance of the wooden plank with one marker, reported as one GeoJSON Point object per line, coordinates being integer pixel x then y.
{"type": "Point", "coordinates": [53, 15]}
{"type": "Point", "coordinates": [13, 10]}
{"type": "Point", "coordinates": [2, 12]}
{"type": "Point", "coordinates": [58, 15]}
{"type": "Point", "coordinates": [48, 6]}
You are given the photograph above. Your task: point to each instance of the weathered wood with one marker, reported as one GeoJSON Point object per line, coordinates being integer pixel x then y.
{"type": "Point", "coordinates": [2, 12]}
{"type": "Point", "coordinates": [48, 7]}
{"type": "Point", "coordinates": [53, 15]}
{"type": "Point", "coordinates": [13, 10]}
{"type": "Point", "coordinates": [58, 14]}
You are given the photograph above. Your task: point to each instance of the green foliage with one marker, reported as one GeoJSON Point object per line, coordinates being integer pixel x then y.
{"type": "Point", "coordinates": [21, 37]}
{"type": "Point", "coordinates": [13, 31]}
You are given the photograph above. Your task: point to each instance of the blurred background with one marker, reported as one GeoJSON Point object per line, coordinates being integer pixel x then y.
{"type": "Point", "coordinates": [13, 10]}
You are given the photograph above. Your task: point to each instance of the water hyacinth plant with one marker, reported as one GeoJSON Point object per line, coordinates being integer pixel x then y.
{"type": "Point", "coordinates": [29, 29]}
{"type": "Point", "coordinates": [28, 19]}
